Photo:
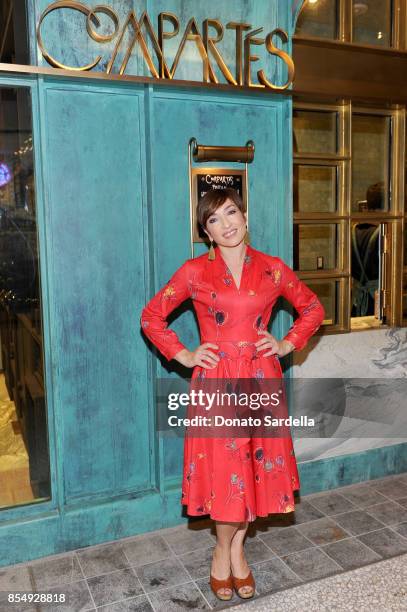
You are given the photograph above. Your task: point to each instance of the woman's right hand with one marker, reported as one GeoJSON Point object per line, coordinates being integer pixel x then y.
{"type": "Point", "coordinates": [201, 356]}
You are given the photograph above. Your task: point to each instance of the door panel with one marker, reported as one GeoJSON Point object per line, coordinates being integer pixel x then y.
{"type": "Point", "coordinates": [94, 209]}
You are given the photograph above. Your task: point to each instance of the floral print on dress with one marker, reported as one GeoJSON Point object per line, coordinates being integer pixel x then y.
{"type": "Point", "coordinates": [169, 292]}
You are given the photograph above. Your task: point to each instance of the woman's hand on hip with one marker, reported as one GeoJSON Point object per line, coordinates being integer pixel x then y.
{"type": "Point", "coordinates": [274, 346]}
{"type": "Point", "coordinates": [201, 356]}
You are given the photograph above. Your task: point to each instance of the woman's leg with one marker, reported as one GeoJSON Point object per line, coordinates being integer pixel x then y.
{"type": "Point", "coordinates": [220, 567]}
{"type": "Point", "coordinates": [238, 560]}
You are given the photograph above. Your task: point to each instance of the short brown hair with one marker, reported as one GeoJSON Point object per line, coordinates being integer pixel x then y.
{"type": "Point", "coordinates": [215, 198]}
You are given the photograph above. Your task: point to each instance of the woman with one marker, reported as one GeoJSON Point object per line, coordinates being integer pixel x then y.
{"type": "Point", "coordinates": [233, 290]}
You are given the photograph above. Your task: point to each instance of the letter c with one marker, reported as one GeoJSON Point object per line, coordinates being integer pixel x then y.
{"type": "Point", "coordinates": [76, 6]}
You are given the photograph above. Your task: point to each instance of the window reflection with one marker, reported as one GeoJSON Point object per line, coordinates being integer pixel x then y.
{"type": "Point", "coordinates": [370, 162]}
{"type": "Point", "coordinates": [315, 246]}
{"type": "Point", "coordinates": [315, 188]}
{"type": "Point", "coordinates": [365, 268]}
{"type": "Point", "coordinates": [24, 459]}
{"type": "Point", "coordinates": [372, 22]}
{"type": "Point", "coordinates": [318, 18]}
{"type": "Point", "coordinates": [13, 28]}
{"type": "Point", "coordinates": [328, 293]}
{"type": "Point", "coordinates": [315, 131]}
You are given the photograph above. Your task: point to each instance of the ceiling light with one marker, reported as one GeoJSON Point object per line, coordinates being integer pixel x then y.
{"type": "Point", "coordinates": [360, 8]}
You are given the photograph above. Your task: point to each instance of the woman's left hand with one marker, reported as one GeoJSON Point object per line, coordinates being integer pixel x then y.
{"type": "Point", "coordinates": [277, 347]}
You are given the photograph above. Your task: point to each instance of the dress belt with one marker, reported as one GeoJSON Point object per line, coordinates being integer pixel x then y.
{"type": "Point", "coordinates": [236, 349]}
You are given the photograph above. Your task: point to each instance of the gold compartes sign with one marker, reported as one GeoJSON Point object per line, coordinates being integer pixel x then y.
{"type": "Point", "coordinates": [139, 32]}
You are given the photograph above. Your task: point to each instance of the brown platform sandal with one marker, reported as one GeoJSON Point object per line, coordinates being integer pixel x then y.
{"type": "Point", "coordinates": [216, 585]}
{"type": "Point", "coordinates": [238, 583]}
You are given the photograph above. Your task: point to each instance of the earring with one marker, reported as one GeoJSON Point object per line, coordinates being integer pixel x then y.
{"type": "Point", "coordinates": [247, 237]}
{"type": "Point", "coordinates": [211, 254]}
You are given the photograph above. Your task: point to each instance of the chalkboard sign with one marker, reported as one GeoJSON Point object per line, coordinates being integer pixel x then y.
{"type": "Point", "coordinates": [205, 179]}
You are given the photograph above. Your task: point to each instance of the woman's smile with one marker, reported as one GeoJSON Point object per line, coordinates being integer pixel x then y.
{"type": "Point", "coordinates": [229, 233]}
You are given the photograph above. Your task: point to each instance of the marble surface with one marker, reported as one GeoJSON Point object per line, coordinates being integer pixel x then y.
{"type": "Point", "coordinates": [376, 414]}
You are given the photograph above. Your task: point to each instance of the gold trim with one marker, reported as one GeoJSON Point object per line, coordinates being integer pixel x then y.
{"type": "Point", "coordinates": [147, 80]}
{"type": "Point", "coordinates": [205, 153]}
{"type": "Point", "coordinates": [107, 11]}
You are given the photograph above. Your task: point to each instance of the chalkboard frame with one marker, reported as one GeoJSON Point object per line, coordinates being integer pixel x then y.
{"type": "Point", "coordinates": [197, 236]}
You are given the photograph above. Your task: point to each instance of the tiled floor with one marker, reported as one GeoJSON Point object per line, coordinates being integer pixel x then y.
{"type": "Point", "coordinates": [329, 533]}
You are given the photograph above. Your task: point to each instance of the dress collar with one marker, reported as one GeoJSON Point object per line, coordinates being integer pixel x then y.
{"type": "Point", "coordinates": [223, 270]}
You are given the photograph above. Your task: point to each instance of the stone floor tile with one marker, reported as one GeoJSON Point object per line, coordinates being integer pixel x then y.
{"type": "Point", "coordinates": [331, 503]}
{"type": "Point", "coordinates": [389, 513]}
{"type": "Point", "coordinates": [162, 574]}
{"type": "Point", "coordinates": [97, 560]}
{"type": "Point", "coordinates": [350, 553]}
{"type": "Point", "coordinates": [357, 522]}
{"type": "Point", "coordinates": [186, 540]}
{"type": "Point", "coordinates": [54, 572]}
{"type": "Point", "coordinates": [385, 542]}
{"type": "Point", "coordinates": [198, 562]}
{"type": "Point", "coordinates": [401, 529]}
{"type": "Point", "coordinates": [286, 541]}
{"type": "Point", "coordinates": [76, 595]}
{"type": "Point", "coordinates": [115, 586]}
{"type": "Point", "coordinates": [135, 604]}
{"type": "Point", "coordinates": [363, 495]}
{"type": "Point", "coordinates": [9, 605]}
{"type": "Point", "coordinates": [305, 512]}
{"type": "Point", "coordinates": [393, 489]}
{"type": "Point", "coordinates": [311, 564]}
{"type": "Point", "coordinates": [322, 531]}
{"type": "Point", "coordinates": [402, 501]}
{"type": "Point", "coordinates": [272, 575]}
{"type": "Point", "coordinates": [183, 597]}
{"type": "Point", "coordinates": [16, 578]}
{"type": "Point", "coordinates": [256, 551]}
{"type": "Point", "coordinates": [146, 549]}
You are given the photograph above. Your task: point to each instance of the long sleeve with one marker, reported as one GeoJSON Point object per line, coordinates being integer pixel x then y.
{"type": "Point", "coordinates": [154, 314]}
{"type": "Point", "coordinates": [310, 310]}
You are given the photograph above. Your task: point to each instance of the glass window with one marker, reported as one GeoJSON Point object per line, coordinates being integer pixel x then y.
{"type": "Point", "coordinates": [372, 22]}
{"type": "Point", "coordinates": [13, 32]}
{"type": "Point", "coordinates": [318, 18]}
{"type": "Point", "coordinates": [365, 265]}
{"type": "Point", "coordinates": [24, 457]}
{"type": "Point", "coordinates": [315, 188]}
{"type": "Point", "coordinates": [327, 292]}
{"type": "Point", "coordinates": [315, 131]}
{"type": "Point", "coordinates": [370, 162]}
{"type": "Point", "coordinates": [315, 246]}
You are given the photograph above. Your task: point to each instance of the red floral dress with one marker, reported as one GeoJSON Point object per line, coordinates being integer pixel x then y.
{"type": "Point", "coordinates": [235, 479]}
